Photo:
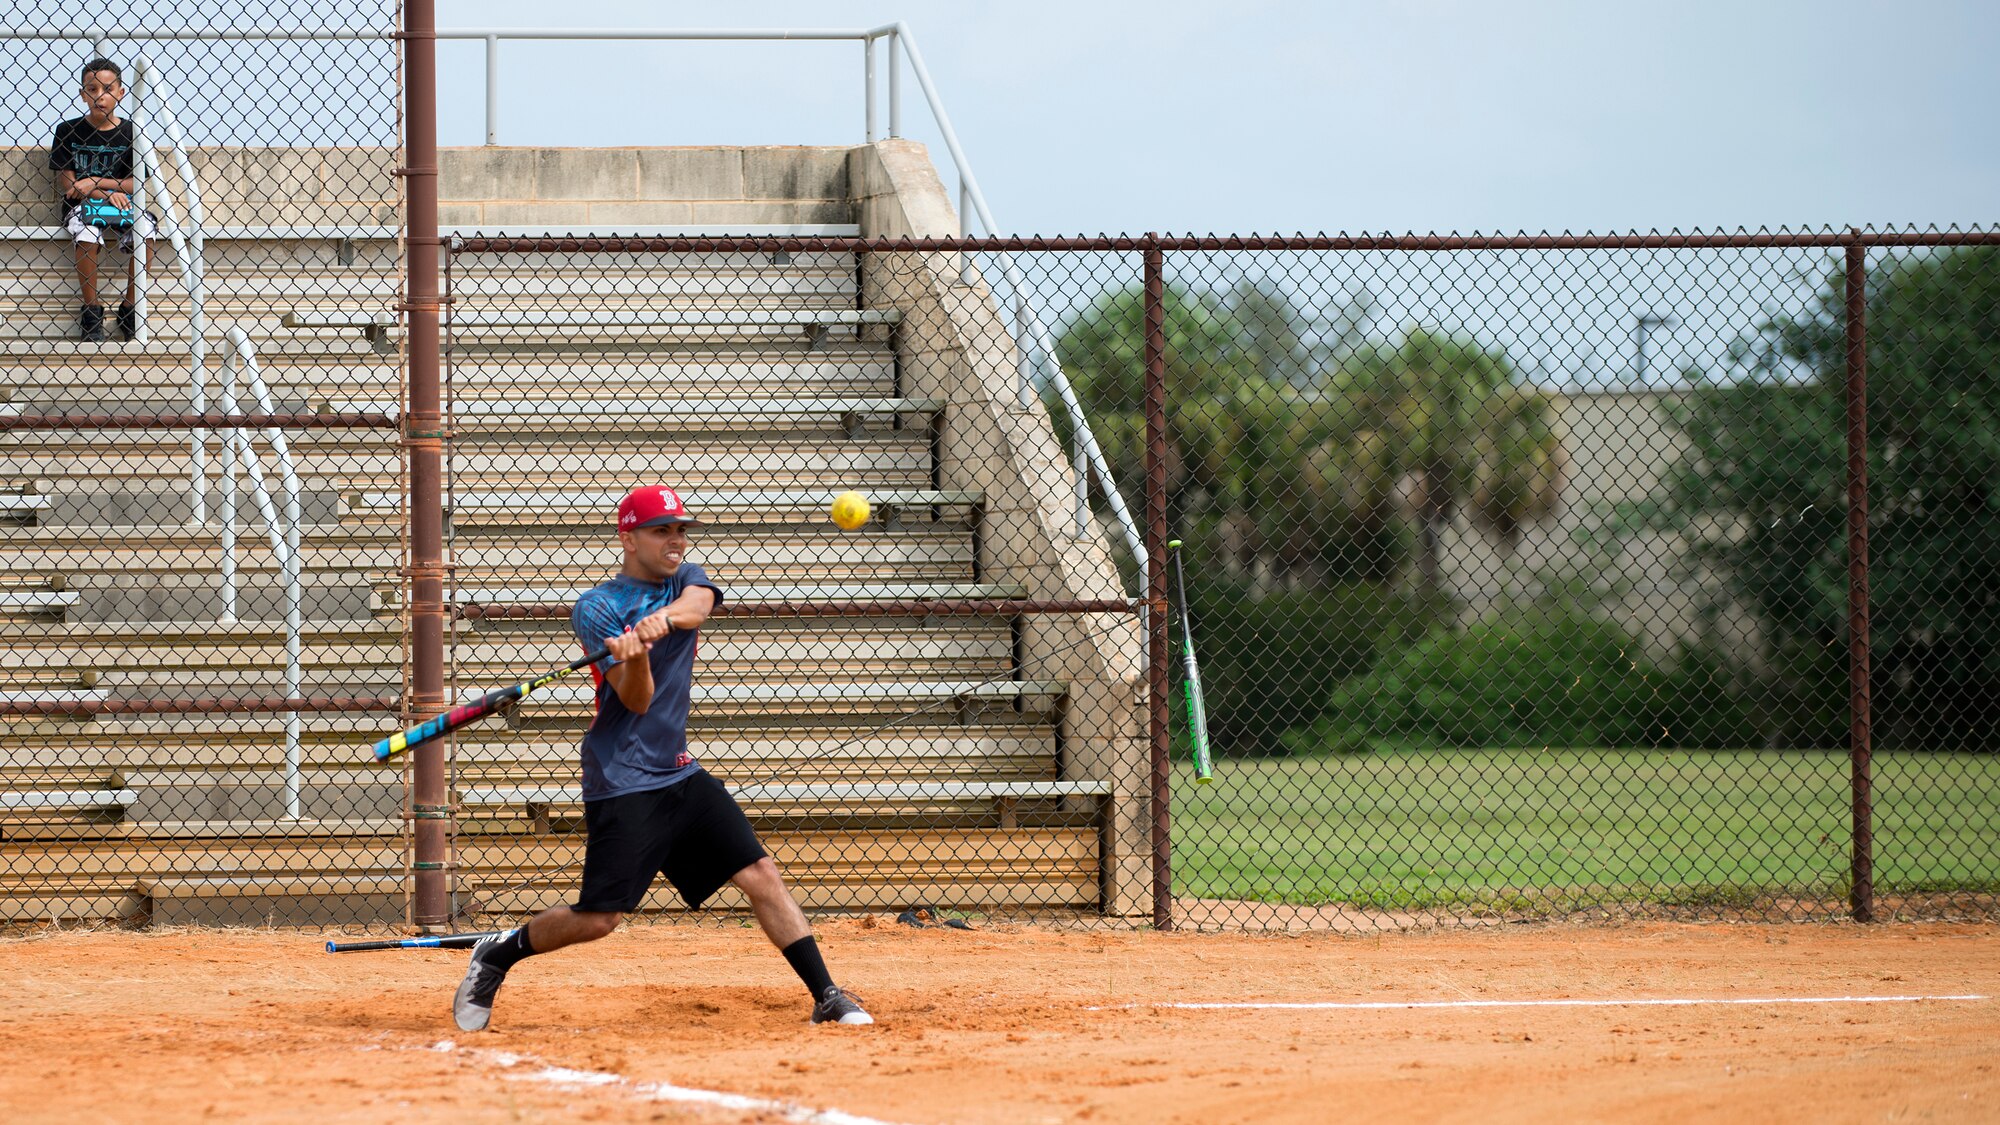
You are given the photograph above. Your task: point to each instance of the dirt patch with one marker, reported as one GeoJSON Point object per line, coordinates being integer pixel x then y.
{"type": "Point", "coordinates": [1016, 1024]}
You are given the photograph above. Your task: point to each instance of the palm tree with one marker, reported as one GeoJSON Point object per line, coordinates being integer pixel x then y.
{"type": "Point", "coordinates": [1470, 436]}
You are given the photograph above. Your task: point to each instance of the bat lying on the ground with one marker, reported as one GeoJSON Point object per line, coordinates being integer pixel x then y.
{"type": "Point", "coordinates": [442, 941]}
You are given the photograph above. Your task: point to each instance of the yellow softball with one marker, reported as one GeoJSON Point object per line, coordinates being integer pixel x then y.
{"type": "Point", "coordinates": [850, 510]}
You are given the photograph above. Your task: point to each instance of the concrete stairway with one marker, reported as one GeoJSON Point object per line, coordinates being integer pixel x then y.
{"type": "Point", "coordinates": [889, 760]}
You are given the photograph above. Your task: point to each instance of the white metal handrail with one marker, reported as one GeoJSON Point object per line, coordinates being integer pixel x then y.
{"type": "Point", "coordinates": [236, 450]}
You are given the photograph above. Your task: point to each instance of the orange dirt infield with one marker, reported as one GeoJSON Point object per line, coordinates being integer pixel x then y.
{"type": "Point", "coordinates": [998, 1025]}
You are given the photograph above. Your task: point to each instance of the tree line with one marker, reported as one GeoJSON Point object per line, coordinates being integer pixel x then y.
{"type": "Point", "coordinates": [1317, 472]}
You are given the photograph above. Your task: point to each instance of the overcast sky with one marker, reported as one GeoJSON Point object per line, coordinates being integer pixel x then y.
{"type": "Point", "coordinates": [1447, 115]}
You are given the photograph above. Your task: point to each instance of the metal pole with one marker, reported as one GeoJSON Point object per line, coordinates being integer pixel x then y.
{"type": "Point", "coordinates": [1156, 619]}
{"type": "Point", "coordinates": [868, 84]}
{"type": "Point", "coordinates": [423, 442]}
{"type": "Point", "coordinates": [1081, 465]}
{"type": "Point", "coordinates": [966, 276]}
{"type": "Point", "coordinates": [895, 84]}
{"type": "Point", "coordinates": [227, 545]}
{"type": "Point", "coordinates": [493, 89]}
{"type": "Point", "coordinates": [1861, 898]}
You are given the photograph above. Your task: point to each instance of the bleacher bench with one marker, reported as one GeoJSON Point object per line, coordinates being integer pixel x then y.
{"type": "Point", "coordinates": [817, 324]}
{"type": "Point", "coordinates": [77, 695]}
{"type": "Point", "coordinates": [388, 597]}
{"type": "Point", "coordinates": [709, 505]}
{"type": "Point", "coordinates": [849, 411]}
{"type": "Point", "coordinates": [535, 801]}
{"type": "Point", "coordinates": [356, 233]}
{"type": "Point", "coordinates": [22, 507]}
{"type": "Point", "coordinates": [782, 592]}
{"type": "Point", "coordinates": [37, 601]}
{"type": "Point", "coordinates": [365, 231]}
{"type": "Point", "coordinates": [824, 694]}
{"type": "Point", "coordinates": [66, 800]}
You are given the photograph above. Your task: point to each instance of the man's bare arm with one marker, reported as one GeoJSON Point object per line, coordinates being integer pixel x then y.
{"type": "Point", "coordinates": [692, 608]}
{"type": "Point", "coordinates": [632, 676]}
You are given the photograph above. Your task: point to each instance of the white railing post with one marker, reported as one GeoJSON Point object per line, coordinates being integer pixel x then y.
{"type": "Point", "coordinates": [228, 487]}
{"type": "Point", "coordinates": [895, 84]}
{"type": "Point", "coordinates": [188, 251]}
{"type": "Point", "coordinates": [966, 274]}
{"type": "Point", "coordinates": [493, 89]}
{"type": "Point", "coordinates": [284, 545]}
{"type": "Point", "coordinates": [1082, 466]}
{"type": "Point", "coordinates": [868, 85]}
{"type": "Point", "coordinates": [144, 161]}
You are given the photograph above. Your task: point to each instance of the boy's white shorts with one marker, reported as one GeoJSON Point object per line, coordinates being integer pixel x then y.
{"type": "Point", "coordinates": [142, 228]}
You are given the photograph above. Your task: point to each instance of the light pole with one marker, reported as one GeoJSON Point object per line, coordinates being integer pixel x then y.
{"type": "Point", "coordinates": [1641, 328]}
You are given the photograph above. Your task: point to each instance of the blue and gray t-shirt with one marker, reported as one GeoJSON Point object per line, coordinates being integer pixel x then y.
{"type": "Point", "coordinates": [79, 147]}
{"type": "Point", "coordinates": [628, 753]}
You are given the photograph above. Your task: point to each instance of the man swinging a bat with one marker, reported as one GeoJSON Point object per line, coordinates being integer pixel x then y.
{"type": "Point", "coordinates": [649, 808]}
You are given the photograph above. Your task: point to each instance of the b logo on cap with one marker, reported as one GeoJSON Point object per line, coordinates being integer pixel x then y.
{"type": "Point", "coordinates": [648, 507]}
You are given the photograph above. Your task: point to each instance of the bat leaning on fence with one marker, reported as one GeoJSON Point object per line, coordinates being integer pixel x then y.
{"type": "Point", "coordinates": [1197, 711]}
{"type": "Point", "coordinates": [443, 941]}
{"type": "Point", "coordinates": [479, 708]}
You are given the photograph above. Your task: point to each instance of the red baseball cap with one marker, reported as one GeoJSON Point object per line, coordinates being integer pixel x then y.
{"type": "Point", "coordinates": [652, 506]}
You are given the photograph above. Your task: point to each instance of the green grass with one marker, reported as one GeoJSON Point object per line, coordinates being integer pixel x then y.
{"type": "Point", "coordinates": [1521, 829]}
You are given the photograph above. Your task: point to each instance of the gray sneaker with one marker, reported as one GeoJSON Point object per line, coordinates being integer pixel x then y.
{"type": "Point", "coordinates": [836, 1006]}
{"type": "Point", "coordinates": [472, 1004]}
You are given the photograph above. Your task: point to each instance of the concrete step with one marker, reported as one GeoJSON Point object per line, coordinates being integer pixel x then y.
{"type": "Point", "coordinates": [871, 696]}
{"type": "Point", "coordinates": [56, 343]}
{"type": "Point", "coordinates": [527, 554]}
{"type": "Point", "coordinates": [319, 900]}
{"type": "Point", "coordinates": [497, 654]}
{"type": "Point", "coordinates": [123, 479]}
{"type": "Point", "coordinates": [379, 288]}
{"type": "Point", "coordinates": [837, 869]}
{"type": "Point", "coordinates": [30, 802]}
{"type": "Point", "coordinates": [177, 749]}
{"type": "Point", "coordinates": [565, 410]}
{"type": "Point", "coordinates": [759, 593]}
{"type": "Point", "coordinates": [525, 507]}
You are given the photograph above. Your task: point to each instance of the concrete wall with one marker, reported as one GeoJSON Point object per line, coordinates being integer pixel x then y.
{"type": "Point", "coordinates": [487, 186]}
{"type": "Point", "coordinates": [239, 186]}
{"type": "Point", "coordinates": [953, 345]}
{"type": "Point", "coordinates": [604, 187]}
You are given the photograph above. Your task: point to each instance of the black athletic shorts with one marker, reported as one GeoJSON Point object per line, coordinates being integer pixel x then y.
{"type": "Point", "coordinates": [692, 832]}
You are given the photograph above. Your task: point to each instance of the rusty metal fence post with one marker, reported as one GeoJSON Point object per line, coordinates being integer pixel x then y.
{"type": "Point", "coordinates": [1156, 582]}
{"type": "Point", "coordinates": [1861, 897]}
{"type": "Point", "coordinates": [423, 440]}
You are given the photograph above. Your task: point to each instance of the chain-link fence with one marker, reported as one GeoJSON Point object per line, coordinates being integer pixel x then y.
{"type": "Point", "coordinates": [1534, 572]}
{"type": "Point", "coordinates": [1528, 576]}
{"type": "Point", "coordinates": [188, 192]}
{"type": "Point", "coordinates": [937, 708]}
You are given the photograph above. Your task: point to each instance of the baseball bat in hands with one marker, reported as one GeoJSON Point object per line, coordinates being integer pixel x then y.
{"type": "Point", "coordinates": [439, 725]}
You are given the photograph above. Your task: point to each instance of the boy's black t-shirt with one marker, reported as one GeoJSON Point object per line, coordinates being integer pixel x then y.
{"type": "Point", "coordinates": [81, 148]}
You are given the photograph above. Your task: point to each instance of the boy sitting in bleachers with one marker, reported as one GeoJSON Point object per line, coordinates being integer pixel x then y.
{"type": "Point", "coordinates": [95, 175]}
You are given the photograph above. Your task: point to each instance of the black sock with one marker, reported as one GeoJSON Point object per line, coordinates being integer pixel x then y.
{"type": "Point", "coordinates": [504, 953]}
{"type": "Point", "coordinates": [806, 961]}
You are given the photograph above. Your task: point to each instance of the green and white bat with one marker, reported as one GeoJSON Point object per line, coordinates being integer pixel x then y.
{"type": "Point", "coordinates": [1197, 711]}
